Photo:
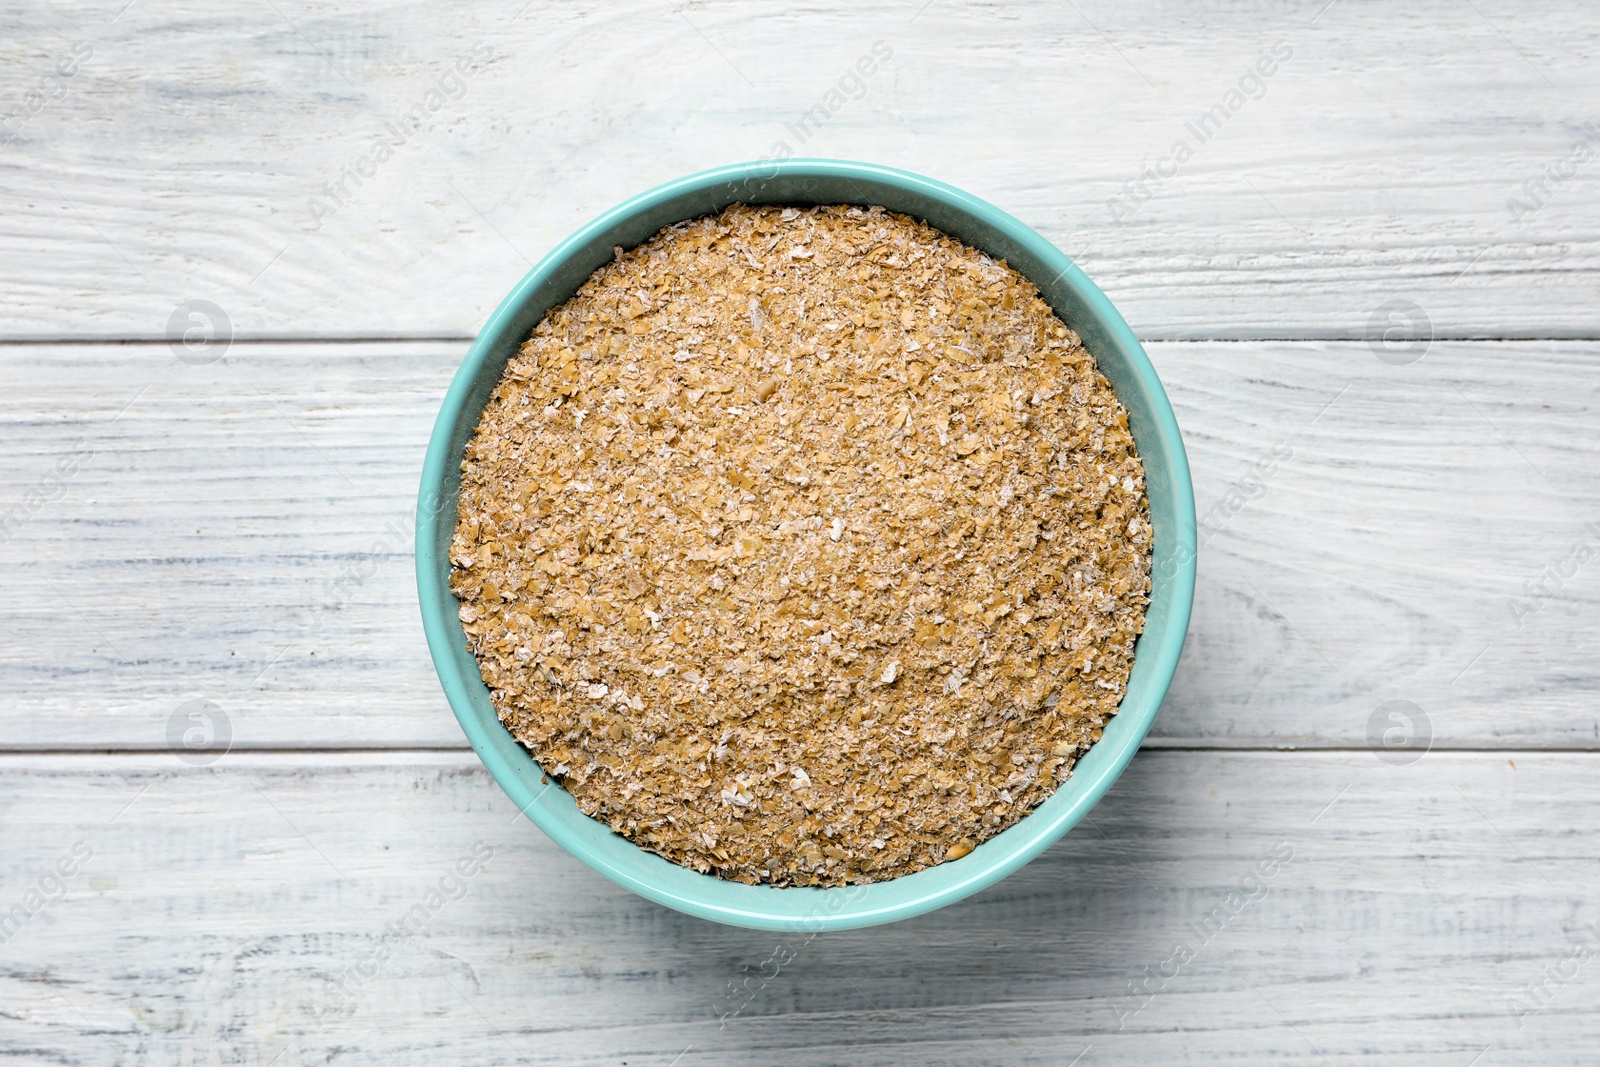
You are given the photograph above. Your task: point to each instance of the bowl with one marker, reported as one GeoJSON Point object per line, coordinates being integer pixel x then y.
{"type": "Point", "coordinates": [1074, 298]}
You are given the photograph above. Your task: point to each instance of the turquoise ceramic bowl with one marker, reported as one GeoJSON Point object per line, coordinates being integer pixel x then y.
{"type": "Point", "coordinates": [1075, 298]}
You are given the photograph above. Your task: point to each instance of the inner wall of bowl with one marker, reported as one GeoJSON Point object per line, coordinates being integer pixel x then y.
{"type": "Point", "coordinates": [1107, 337]}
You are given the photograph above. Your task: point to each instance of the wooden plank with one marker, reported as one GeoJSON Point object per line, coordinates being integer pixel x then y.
{"type": "Point", "coordinates": [239, 533]}
{"type": "Point", "coordinates": [1403, 915]}
{"type": "Point", "coordinates": [1374, 533]}
{"type": "Point", "coordinates": [182, 159]}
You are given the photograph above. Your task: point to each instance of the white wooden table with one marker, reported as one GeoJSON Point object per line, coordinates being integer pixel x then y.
{"type": "Point", "coordinates": [1405, 516]}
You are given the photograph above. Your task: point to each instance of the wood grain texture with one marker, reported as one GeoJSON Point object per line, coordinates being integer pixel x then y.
{"type": "Point", "coordinates": [1378, 161]}
{"type": "Point", "coordinates": [241, 533]}
{"type": "Point", "coordinates": [221, 908]}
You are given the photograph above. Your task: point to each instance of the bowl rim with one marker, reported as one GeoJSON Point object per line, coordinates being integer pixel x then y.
{"type": "Point", "coordinates": [804, 909]}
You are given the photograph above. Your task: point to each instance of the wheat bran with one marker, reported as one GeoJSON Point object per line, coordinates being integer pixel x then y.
{"type": "Point", "coordinates": [804, 547]}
